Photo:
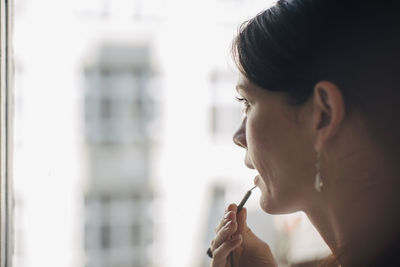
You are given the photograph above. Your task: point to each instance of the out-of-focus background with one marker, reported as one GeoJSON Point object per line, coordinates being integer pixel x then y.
{"type": "Point", "coordinates": [123, 153]}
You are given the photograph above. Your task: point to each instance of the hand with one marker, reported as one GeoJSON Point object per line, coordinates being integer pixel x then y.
{"type": "Point", "coordinates": [232, 234]}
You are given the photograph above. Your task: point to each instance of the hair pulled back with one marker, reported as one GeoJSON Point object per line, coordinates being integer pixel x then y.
{"type": "Point", "coordinates": [296, 43]}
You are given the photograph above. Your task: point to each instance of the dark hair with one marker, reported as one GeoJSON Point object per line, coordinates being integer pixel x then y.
{"type": "Point", "coordinates": [296, 43]}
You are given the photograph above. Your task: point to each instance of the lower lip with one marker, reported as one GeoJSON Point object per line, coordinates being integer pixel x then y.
{"type": "Point", "coordinates": [256, 179]}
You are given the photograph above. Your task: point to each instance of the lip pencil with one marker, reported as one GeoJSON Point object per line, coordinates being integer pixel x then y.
{"type": "Point", "coordinates": [239, 208]}
{"type": "Point", "coordinates": [244, 200]}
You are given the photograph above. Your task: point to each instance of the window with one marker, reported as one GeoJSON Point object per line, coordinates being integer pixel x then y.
{"type": "Point", "coordinates": [106, 148]}
{"type": "Point", "coordinates": [6, 244]}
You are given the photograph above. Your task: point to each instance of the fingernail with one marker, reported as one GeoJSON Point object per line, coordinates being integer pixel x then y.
{"type": "Point", "coordinates": [228, 224]}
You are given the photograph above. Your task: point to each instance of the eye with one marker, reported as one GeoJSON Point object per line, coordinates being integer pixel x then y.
{"type": "Point", "coordinates": [245, 103]}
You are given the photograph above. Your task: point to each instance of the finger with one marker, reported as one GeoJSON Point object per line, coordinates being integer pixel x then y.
{"type": "Point", "coordinates": [232, 208]}
{"type": "Point", "coordinates": [228, 216]}
{"type": "Point", "coordinates": [222, 252]}
{"type": "Point", "coordinates": [224, 234]}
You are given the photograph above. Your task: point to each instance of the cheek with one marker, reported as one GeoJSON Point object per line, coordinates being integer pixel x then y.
{"type": "Point", "coordinates": [273, 146]}
{"type": "Point", "coordinates": [259, 142]}
{"type": "Point", "coordinates": [280, 151]}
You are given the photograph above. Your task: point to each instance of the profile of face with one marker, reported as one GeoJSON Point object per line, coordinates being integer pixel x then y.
{"type": "Point", "coordinates": [279, 144]}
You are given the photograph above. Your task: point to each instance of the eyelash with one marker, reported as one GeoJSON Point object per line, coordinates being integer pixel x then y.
{"type": "Point", "coordinates": [245, 103]}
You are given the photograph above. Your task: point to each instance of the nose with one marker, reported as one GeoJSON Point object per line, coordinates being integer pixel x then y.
{"type": "Point", "coordinates": [239, 138]}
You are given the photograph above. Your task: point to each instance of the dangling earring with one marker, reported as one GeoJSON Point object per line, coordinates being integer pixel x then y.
{"type": "Point", "coordinates": [318, 180]}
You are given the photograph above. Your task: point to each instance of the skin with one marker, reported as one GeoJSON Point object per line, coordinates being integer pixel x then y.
{"type": "Point", "coordinates": [359, 175]}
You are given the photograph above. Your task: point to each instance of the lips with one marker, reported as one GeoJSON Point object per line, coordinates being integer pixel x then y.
{"type": "Point", "coordinates": [256, 179]}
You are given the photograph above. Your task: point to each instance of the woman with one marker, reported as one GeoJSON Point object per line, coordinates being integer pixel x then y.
{"type": "Point", "coordinates": [320, 82]}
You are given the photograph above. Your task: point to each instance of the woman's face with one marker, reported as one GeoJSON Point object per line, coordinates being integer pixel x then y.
{"type": "Point", "coordinates": [279, 145]}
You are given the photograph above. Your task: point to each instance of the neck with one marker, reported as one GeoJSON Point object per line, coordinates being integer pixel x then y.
{"type": "Point", "coordinates": [361, 220]}
{"type": "Point", "coordinates": [353, 243]}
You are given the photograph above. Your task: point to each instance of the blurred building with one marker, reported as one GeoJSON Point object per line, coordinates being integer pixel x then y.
{"type": "Point", "coordinates": [119, 110]}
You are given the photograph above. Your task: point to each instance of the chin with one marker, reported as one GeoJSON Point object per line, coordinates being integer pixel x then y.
{"type": "Point", "coordinates": [274, 206]}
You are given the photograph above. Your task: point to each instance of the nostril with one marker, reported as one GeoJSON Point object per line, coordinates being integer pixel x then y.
{"type": "Point", "coordinates": [240, 140]}
{"type": "Point", "coordinates": [235, 141]}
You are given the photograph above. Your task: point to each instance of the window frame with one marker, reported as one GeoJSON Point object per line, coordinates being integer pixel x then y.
{"type": "Point", "coordinates": [6, 85]}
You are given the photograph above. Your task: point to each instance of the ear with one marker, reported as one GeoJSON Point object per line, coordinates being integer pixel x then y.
{"type": "Point", "coordinates": [328, 112]}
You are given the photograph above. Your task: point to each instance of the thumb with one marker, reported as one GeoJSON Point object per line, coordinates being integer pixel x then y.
{"type": "Point", "coordinates": [244, 230]}
{"type": "Point", "coordinates": [250, 240]}
{"type": "Point", "coordinates": [253, 246]}
{"type": "Point", "coordinates": [241, 220]}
